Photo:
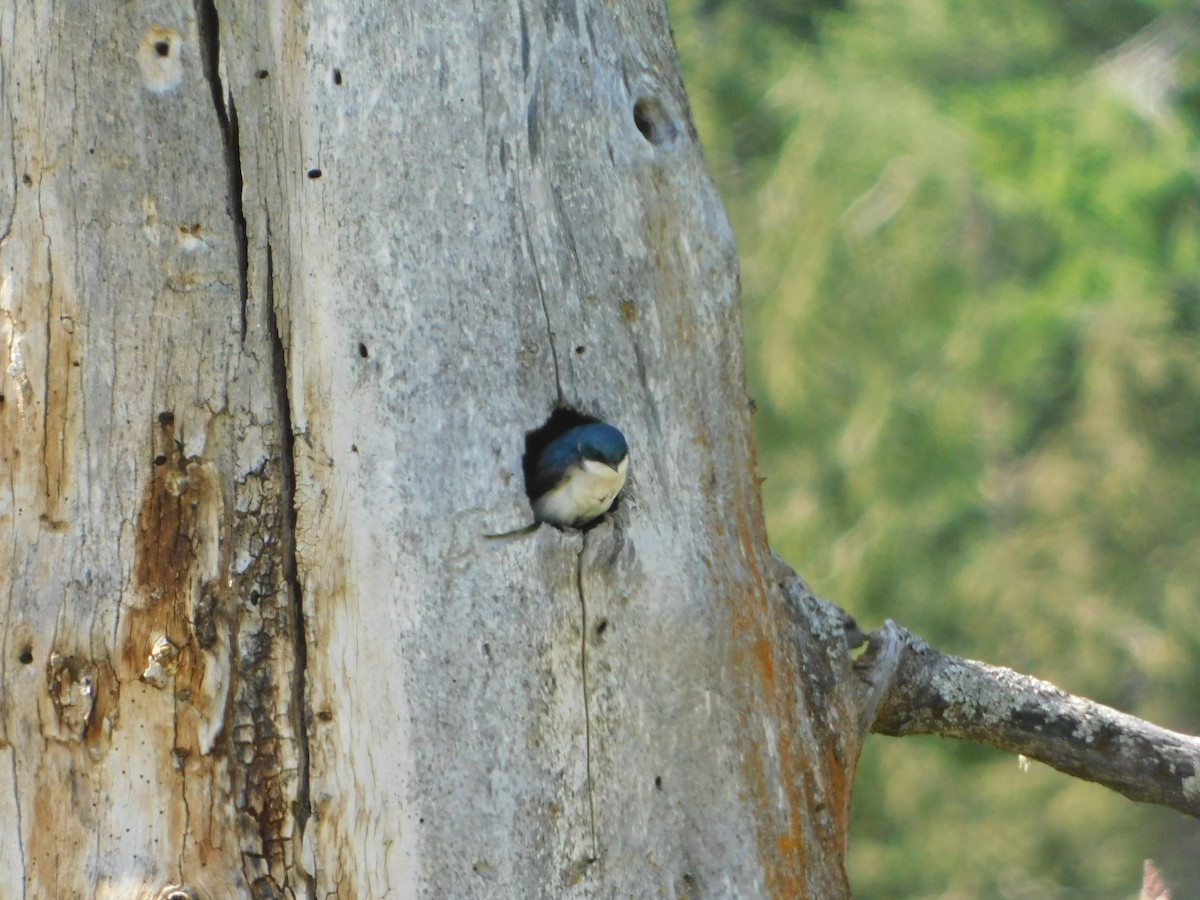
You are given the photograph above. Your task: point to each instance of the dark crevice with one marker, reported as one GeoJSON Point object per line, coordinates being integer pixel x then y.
{"type": "Point", "coordinates": [279, 366]}
{"type": "Point", "coordinates": [48, 378]}
{"type": "Point", "coordinates": [587, 714]}
{"type": "Point", "coordinates": [653, 121]}
{"type": "Point", "coordinates": [208, 30]}
{"type": "Point", "coordinates": [233, 161]}
{"type": "Point", "coordinates": [181, 767]}
{"type": "Point", "coordinates": [524, 40]}
{"type": "Point", "coordinates": [18, 815]}
{"type": "Point", "coordinates": [208, 27]}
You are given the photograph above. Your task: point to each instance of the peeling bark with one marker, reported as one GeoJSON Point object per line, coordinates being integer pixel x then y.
{"type": "Point", "coordinates": [147, 717]}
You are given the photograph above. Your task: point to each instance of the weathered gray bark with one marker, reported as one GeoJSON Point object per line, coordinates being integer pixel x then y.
{"type": "Point", "coordinates": [145, 493]}
{"type": "Point", "coordinates": [283, 289]}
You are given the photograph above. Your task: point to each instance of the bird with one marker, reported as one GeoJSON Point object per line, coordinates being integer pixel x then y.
{"type": "Point", "coordinates": [575, 478]}
{"type": "Point", "coordinates": [578, 475]}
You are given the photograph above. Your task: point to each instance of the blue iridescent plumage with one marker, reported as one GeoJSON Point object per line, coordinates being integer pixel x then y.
{"type": "Point", "coordinates": [575, 478]}
{"type": "Point", "coordinates": [578, 475]}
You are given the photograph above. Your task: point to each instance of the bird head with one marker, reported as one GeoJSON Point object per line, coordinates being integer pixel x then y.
{"type": "Point", "coordinates": [600, 442]}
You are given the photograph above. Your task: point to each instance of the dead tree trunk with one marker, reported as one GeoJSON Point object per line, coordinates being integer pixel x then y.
{"type": "Point", "coordinates": [283, 288]}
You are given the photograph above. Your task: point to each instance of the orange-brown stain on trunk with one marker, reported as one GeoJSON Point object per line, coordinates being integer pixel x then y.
{"type": "Point", "coordinates": [39, 400]}
{"type": "Point", "coordinates": [166, 522]}
{"type": "Point", "coordinates": [771, 685]}
{"type": "Point", "coordinates": [165, 561]}
{"type": "Point", "coordinates": [63, 388]}
{"type": "Point", "coordinates": [839, 781]}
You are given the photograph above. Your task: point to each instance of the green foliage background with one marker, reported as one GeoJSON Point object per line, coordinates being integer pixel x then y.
{"type": "Point", "coordinates": [971, 268]}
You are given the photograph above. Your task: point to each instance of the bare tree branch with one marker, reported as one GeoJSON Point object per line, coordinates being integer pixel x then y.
{"type": "Point", "coordinates": [907, 687]}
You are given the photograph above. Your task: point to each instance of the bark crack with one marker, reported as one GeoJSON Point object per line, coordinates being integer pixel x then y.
{"type": "Point", "coordinates": [47, 374]}
{"type": "Point", "coordinates": [181, 762]}
{"type": "Point", "coordinates": [587, 714]}
{"type": "Point", "coordinates": [12, 762]}
{"type": "Point", "coordinates": [303, 807]}
{"type": "Point", "coordinates": [208, 27]}
{"type": "Point", "coordinates": [537, 277]}
{"type": "Point", "coordinates": [12, 155]}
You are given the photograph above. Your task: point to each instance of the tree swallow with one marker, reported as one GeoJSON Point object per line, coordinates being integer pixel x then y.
{"type": "Point", "coordinates": [574, 469]}
{"type": "Point", "coordinates": [578, 475]}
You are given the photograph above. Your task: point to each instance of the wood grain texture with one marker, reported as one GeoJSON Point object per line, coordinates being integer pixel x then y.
{"type": "Point", "coordinates": [139, 458]}
{"type": "Point", "coordinates": [324, 269]}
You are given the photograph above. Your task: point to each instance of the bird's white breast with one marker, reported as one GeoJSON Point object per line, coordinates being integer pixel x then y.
{"type": "Point", "coordinates": [585, 493]}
